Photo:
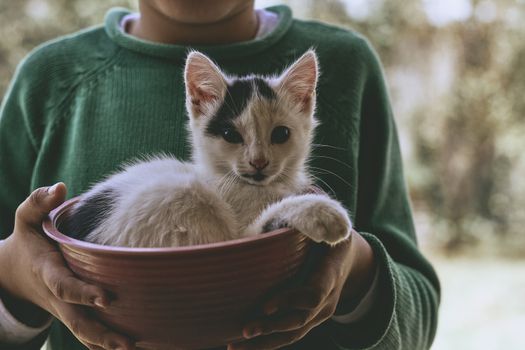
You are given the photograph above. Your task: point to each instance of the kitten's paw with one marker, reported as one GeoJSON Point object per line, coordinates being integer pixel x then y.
{"type": "Point", "coordinates": [274, 224]}
{"type": "Point", "coordinates": [324, 222]}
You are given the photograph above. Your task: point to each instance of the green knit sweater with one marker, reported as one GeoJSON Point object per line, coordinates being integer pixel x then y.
{"type": "Point", "coordinates": [81, 105]}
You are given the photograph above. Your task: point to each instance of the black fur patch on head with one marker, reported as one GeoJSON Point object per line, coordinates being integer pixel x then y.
{"type": "Point", "coordinates": [263, 89]}
{"type": "Point", "coordinates": [88, 215]}
{"type": "Point", "coordinates": [235, 101]}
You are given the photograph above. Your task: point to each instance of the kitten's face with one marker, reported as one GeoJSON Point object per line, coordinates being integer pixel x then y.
{"type": "Point", "coordinates": [255, 129]}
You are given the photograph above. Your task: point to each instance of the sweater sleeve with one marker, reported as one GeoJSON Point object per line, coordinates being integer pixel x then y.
{"type": "Point", "coordinates": [18, 144]}
{"type": "Point", "coordinates": [16, 333]}
{"type": "Point", "coordinates": [405, 313]}
{"type": "Point", "coordinates": [21, 106]}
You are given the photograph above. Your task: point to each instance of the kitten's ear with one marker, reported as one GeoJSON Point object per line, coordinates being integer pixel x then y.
{"type": "Point", "coordinates": [205, 84]}
{"type": "Point", "coordinates": [300, 79]}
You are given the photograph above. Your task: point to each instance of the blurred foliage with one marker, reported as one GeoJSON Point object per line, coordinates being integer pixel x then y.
{"type": "Point", "coordinates": [458, 94]}
{"type": "Point", "coordinates": [25, 24]}
{"type": "Point", "coordinates": [457, 90]}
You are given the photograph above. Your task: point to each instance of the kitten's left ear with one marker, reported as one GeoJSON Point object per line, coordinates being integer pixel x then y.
{"type": "Point", "coordinates": [300, 79]}
{"type": "Point", "coordinates": [205, 84]}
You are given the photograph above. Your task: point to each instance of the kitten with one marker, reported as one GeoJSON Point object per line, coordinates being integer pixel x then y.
{"type": "Point", "coordinates": [250, 138]}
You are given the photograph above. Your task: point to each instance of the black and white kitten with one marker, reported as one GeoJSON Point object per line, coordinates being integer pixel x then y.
{"type": "Point", "coordinates": [251, 137]}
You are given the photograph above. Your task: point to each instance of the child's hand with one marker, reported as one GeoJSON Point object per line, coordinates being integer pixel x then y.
{"type": "Point", "coordinates": [34, 271]}
{"type": "Point", "coordinates": [290, 315]}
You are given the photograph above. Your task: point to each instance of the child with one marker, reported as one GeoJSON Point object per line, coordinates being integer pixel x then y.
{"type": "Point", "coordinates": [80, 106]}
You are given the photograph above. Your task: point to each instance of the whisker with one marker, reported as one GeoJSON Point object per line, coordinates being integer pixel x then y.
{"type": "Point", "coordinates": [325, 171]}
{"type": "Point", "coordinates": [232, 180]}
{"type": "Point", "coordinates": [285, 179]}
{"type": "Point", "coordinates": [224, 176]}
{"type": "Point", "coordinates": [331, 158]}
{"type": "Point", "coordinates": [226, 182]}
{"type": "Point", "coordinates": [316, 145]}
{"type": "Point", "coordinates": [317, 178]}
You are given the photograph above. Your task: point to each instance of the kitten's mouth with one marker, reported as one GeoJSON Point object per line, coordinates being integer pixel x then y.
{"type": "Point", "coordinates": [257, 177]}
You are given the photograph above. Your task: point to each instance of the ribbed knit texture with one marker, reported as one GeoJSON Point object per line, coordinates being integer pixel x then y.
{"type": "Point", "coordinates": [80, 106]}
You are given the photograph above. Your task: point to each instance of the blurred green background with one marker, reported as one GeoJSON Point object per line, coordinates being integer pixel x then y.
{"type": "Point", "coordinates": [456, 75]}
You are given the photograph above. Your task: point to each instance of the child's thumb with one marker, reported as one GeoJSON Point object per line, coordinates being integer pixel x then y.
{"type": "Point", "coordinates": [35, 208]}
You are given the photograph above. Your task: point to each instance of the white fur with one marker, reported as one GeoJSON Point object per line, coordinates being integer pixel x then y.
{"type": "Point", "coordinates": [166, 202]}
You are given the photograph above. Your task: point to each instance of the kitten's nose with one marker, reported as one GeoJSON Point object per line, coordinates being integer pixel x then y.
{"type": "Point", "coordinates": [259, 163]}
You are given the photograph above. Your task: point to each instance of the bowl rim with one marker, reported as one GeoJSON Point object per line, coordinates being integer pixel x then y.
{"type": "Point", "coordinates": [50, 229]}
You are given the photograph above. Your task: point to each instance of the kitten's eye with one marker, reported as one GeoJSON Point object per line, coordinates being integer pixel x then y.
{"type": "Point", "coordinates": [232, 136]}
{"type": "Point", "coordinates": [280, 134]}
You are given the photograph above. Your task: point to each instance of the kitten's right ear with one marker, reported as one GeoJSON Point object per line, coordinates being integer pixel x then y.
{"type": "Point", "coordinates": [205, 84]}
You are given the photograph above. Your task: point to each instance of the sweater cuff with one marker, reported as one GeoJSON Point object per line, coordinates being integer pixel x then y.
{"type": "Point", "coordinates": [374, 324]}
{"type": "Point", "coordinates": [13, 331]}
{"type": "Point", "coordinates": [363, 307]}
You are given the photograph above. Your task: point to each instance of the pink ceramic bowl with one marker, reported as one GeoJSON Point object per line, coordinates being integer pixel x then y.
{"type": "Point", "coordinates": [186, 297]}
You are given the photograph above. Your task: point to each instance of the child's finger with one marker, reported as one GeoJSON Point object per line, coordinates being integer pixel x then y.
{"type": "Point", "coordinates": [66, 287]}
{"type": "Point", "coordinates": [305, 298]}
{"type": "Point", "coordinates": [279, 323]}
{"type": "Point", "coordinates": [279, 301]}
{"type": "Point", "coordinates": [91, 331]}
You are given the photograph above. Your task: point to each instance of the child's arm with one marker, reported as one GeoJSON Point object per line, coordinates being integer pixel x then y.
{"type": "Point", "coordinates": [406, 310]}
{"type": "Point", "coordinates": [34, 281]}
{"type": "Point", "coordinates": [34, 273]}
